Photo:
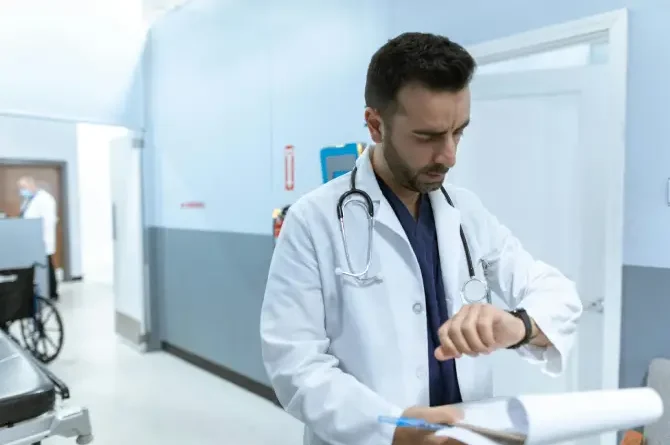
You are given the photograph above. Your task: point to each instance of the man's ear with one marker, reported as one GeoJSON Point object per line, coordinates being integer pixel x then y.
{"type": "Point", "coordinates": [373, 121]}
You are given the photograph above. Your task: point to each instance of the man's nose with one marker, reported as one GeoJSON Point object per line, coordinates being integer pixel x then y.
{"type": "Point", "coordinates": [447, 152]}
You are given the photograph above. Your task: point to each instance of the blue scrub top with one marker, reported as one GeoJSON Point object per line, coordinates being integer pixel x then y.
{"type": "Point", "coordinates": [422, 235]}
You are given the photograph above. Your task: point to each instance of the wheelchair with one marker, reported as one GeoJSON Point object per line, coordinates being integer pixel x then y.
{"type": "Point", "coordinates": [30, 319]}
{"type": "Point", "coordinates": [32, 398]}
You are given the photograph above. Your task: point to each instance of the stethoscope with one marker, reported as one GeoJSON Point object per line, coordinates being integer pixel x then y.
{"type": "Point", "coordinates": [473, 291]}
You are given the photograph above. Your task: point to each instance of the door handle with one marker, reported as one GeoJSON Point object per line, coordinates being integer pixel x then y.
{"type": "Point", "coordinates": [597, 306]}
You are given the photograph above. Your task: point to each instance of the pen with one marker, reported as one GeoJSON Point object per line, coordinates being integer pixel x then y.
{"type": "Point", "coordinates": [407, 422]}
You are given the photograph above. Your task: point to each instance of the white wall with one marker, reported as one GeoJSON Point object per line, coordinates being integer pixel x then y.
{"type": "Point", "coordinates": [95, 200]}
{"type": "Point", "coordinates": [79, 60]}
{"type": "Point", "coordinates": [44, 140]}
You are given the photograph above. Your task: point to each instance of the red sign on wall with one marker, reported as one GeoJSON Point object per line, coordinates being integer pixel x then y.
{"type": "Point", "coordinates": [193, 205]}
{"type": "Point", "coordinates": [289, 168]}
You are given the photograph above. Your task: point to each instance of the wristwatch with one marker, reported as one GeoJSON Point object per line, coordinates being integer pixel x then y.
{"type": "Point", "coordinates": [523, 316]}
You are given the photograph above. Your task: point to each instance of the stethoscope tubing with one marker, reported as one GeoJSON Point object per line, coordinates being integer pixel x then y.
{"type": "Point", "coordinates": [369, 207]}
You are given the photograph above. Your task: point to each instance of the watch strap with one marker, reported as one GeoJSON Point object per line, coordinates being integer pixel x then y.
{"type": "Point", "coordinates": [528, 325]}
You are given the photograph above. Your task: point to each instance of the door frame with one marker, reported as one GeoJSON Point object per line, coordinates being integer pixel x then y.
{"type": "Point", "coordinates": [64, 199]}
{"type": "Point", "coordinates": [612, 26]}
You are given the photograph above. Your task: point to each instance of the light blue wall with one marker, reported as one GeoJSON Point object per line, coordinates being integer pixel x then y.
{"type": "Point", "coordinates": [231, 85]}
{"type": "Point", "coordinates": [253, 78]}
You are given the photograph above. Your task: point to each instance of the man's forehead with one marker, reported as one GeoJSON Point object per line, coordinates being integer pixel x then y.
{"type": "Point", "coordinates": [420, 105]}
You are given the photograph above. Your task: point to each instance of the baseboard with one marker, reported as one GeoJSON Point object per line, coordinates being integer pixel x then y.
{"type": "Point", "coordinates": [233, 377]}
{"type": "Point", "coordinates": [129, 329]}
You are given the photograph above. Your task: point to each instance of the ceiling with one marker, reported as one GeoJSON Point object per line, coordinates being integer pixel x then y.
{"type": "Point", "coordinates": [151, 9]}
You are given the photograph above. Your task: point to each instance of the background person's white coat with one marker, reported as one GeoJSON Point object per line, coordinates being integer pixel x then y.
{"type": "Point", "coordinates": [44, 206]}
{"type": "Point", "coordinates": [339, 353]}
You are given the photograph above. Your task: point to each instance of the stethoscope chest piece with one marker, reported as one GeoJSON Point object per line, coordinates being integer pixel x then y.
{"type": "Point", "coordinates": [475, 291]}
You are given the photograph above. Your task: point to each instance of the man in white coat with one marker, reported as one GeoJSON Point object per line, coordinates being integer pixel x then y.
{"type": "Point", "coordinates": [341, 351]}
{"type": "Point", "coordinates": [38, 203]}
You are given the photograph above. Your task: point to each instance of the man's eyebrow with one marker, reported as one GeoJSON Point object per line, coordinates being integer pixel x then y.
{"type": "Point", "coordinates": [433, 132]}
{"type": "Point", "coordinates": [465, 124]}
{"type": "Point", "coordinates": [427, 132]}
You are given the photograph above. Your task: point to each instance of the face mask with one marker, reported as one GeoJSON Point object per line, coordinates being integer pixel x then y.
{"type": "Point", "coordinates": [25, 193]}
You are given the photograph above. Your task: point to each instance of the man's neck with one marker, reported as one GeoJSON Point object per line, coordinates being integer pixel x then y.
{"type": "Point", "coordinates": [408, 197]}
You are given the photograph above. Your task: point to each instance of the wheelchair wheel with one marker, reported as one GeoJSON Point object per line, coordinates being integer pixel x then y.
{"type": "Point", "coordinates": [43, 334]}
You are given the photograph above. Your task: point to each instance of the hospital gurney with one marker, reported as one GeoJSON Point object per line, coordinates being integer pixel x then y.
{"type": "Point", "coordinates": [30, 396]}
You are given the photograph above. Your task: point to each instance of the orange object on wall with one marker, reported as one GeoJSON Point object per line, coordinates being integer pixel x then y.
{"type": "Point", "coordinates": [278, 217]}
{"type": "Point", "coordinates": [632, 438]}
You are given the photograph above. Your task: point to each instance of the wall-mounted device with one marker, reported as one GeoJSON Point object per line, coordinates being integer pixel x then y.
{"type": "Point", "coordinates": [339, 160]}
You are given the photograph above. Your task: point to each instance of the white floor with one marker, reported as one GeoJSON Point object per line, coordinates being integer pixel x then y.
{"type": "Point", "coordinates": [153, 399]}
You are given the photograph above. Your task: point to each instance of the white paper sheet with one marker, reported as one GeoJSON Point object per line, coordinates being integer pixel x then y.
{"type": "Point", "coordinates": [558, 417]}
{"type": "Point", "coordinates": [496, 414]}
{"type": "Point", "coordinates": [552, 418]}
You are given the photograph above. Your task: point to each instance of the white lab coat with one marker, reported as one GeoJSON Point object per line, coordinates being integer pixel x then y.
{"type": "Point", "coordinates": [44, 206]}
{"type": "Point", "coordinates": [339, 354]}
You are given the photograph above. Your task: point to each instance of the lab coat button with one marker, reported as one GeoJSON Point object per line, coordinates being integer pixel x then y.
{"type": "Point", "coordinates": [421, 373]}
{"type": "Point", "coordinates": [417, 308]}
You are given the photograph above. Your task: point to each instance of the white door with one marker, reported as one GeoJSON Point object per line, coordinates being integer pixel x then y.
{"type": "Point", "coordinates": [125, 164]}
{"type": "Point", "coordinates": [536, 154]}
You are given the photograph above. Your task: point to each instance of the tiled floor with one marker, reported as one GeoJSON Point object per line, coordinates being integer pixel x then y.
{"type": "Point", "coordinates": [153, 399]}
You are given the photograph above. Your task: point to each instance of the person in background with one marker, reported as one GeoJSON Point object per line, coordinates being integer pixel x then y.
{"type": "Point", "coordinates": [38, 203]}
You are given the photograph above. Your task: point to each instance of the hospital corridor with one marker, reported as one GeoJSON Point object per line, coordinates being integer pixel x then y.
{"type": "Point", "coordinates": [360, 222]}
{"type": "Point", "coordinates": [156, 398]}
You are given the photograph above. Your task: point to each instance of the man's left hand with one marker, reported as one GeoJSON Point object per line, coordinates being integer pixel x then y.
{"type": "Point", "coordinates": [478, 329]}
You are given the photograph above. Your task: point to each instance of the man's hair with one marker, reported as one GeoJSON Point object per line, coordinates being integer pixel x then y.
{"type": "Point", "coordinates": [428, 59]}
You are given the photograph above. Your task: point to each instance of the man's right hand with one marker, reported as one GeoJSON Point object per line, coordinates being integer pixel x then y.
{"type": "Point", "coordinates": [440, 414]}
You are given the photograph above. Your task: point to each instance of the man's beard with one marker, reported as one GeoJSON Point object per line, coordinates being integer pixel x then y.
{"type": "Point", "coordinates": [403, 173]}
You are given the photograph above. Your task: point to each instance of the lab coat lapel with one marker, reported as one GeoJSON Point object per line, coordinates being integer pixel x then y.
{"type": "Point", "coordinates": [387, 225]}
{"type": "Point", "coordinates": [454, 274]}
{"type": "Point", "coordinates": [367, 181]}
{"type": "Point", "coordinates": [447, 224]}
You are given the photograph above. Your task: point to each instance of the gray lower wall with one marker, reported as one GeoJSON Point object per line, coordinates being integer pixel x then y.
{"type": "Point", "coordinates": [645, 328]}
{"type": "Point", "coordinates": [208, 289]}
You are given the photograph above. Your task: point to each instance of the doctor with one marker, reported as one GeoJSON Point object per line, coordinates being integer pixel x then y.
{"type": "Point", "coordinates": [38, 203]}
{"type": "Point", "coordinates": [341, 351]}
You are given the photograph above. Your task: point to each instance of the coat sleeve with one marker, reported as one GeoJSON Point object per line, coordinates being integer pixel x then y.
{"type": "Point", "coordinates": [50, 220]}
{"type": "Point", "coordinates": [306, 378]}
{"type": "Point", "coordinates": [549, 298]}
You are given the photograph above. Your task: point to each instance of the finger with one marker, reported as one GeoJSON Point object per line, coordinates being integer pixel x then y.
{"type": "Point", "coordinates": [447, 350]}
{"type": "Point", "coordinates": [455, 331]}
{"type": "Point", "coordinates": [445, 414]}
{"type": "Point", "coordinates": [485, 328]}
{"type": "Point", "coordinates": [470, 331]}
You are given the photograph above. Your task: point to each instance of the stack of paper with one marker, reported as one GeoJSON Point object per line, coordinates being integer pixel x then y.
{"type": "Point", "coordinates": [553, 418]}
